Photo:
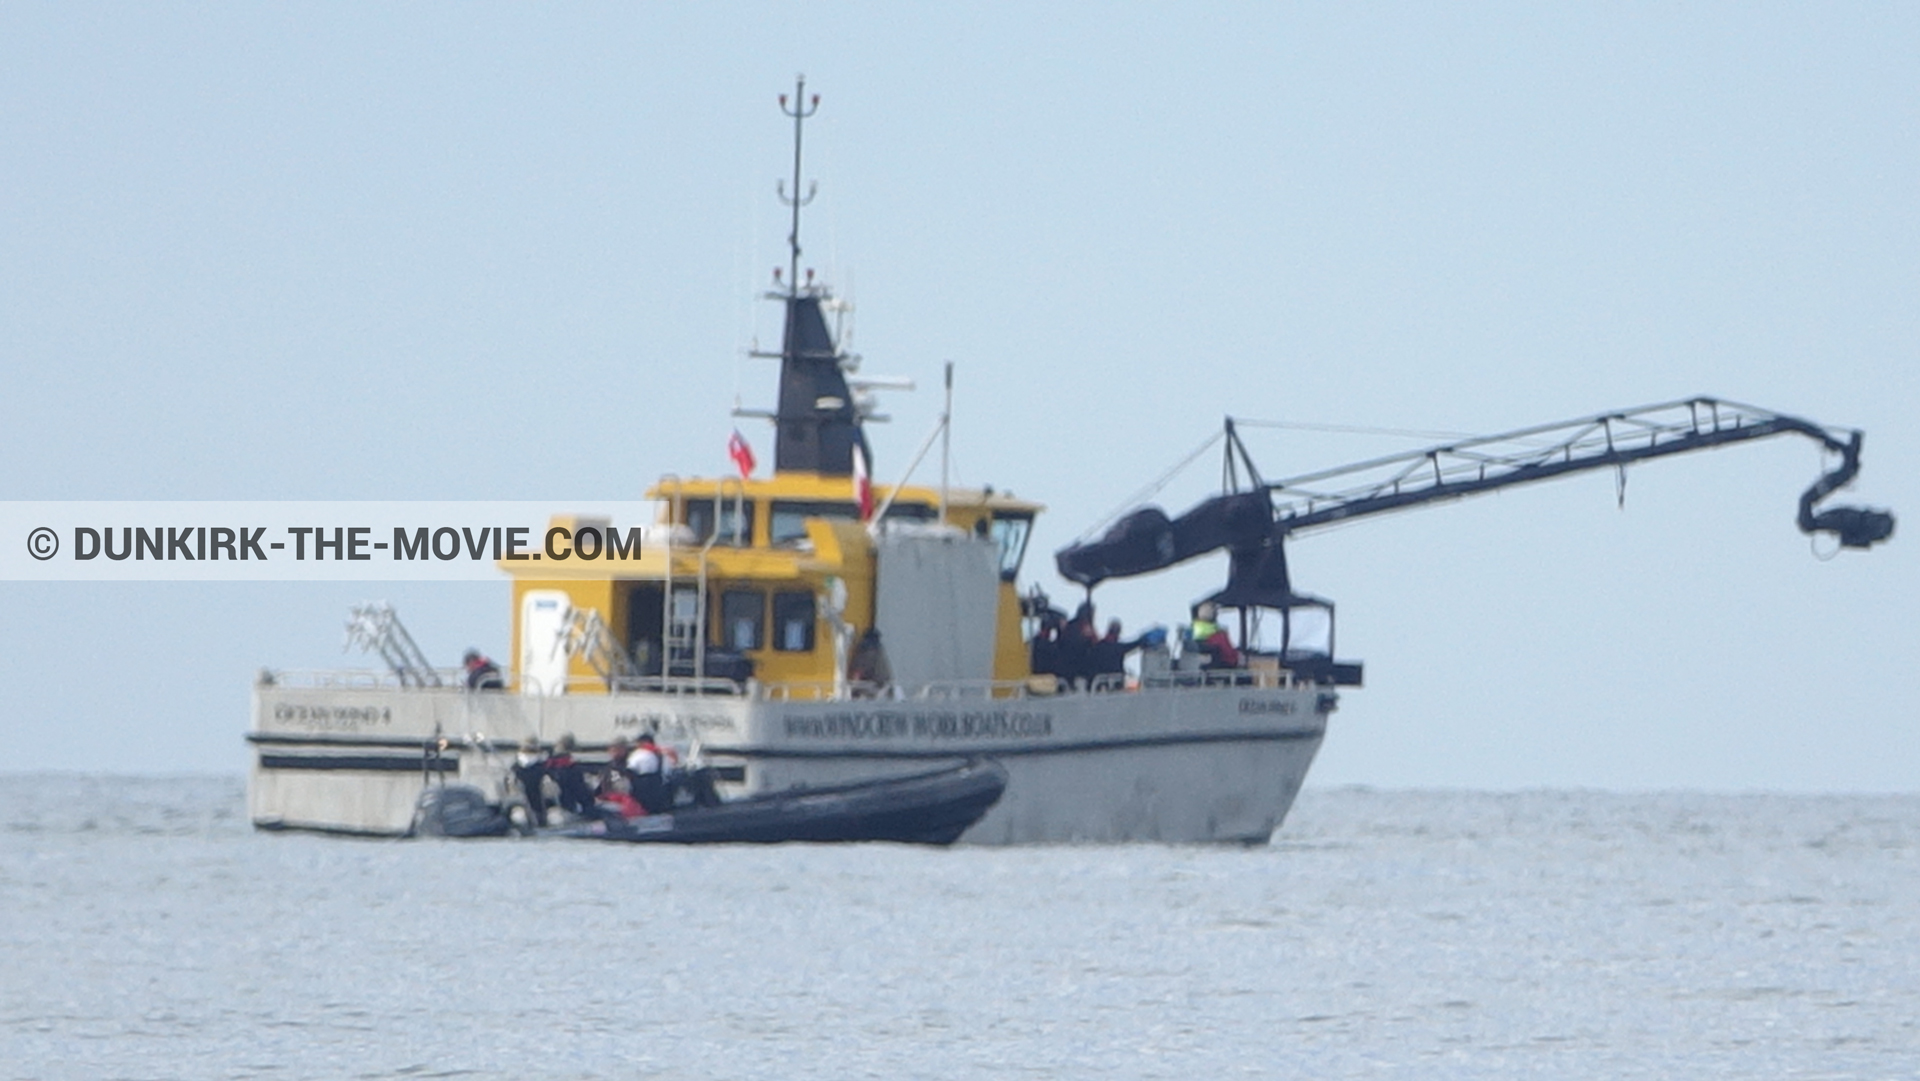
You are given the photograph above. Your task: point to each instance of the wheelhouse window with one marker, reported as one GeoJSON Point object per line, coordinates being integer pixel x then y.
{"type": "Point", "coordinates": [789, 520]}
{"type": "Point", "coordinates": [910, 512]}
{"type": "Point", "coordinates": [1010, 535]}
{"type": "Point", "coordinates": [736, 520]}
{"type": "Point", "coordinates": [793, 621]}
{"type": "Point", "coordinates": [743, 614]}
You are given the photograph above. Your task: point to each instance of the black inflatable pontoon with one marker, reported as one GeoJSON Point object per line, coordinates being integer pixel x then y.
{"type": "Point", "coordinates": [926, 808]}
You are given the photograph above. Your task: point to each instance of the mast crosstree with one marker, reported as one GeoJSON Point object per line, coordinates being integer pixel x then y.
{"type": "Point", "coordinates": [800, 110]}
{"type": "Point", "coordinates": [817, 419]}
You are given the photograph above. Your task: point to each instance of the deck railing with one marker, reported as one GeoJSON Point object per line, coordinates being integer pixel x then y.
{"type": "Point", "coordinates": [454, 683]}
{"type": "Point", "coordinates": [453, 680]}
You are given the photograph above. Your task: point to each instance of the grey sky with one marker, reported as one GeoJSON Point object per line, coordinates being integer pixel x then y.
{"type": "Point", "coordinates": [473, 252]}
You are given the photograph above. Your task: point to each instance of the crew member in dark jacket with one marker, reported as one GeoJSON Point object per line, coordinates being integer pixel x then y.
{"type": "Point", "coordinates": [868, 669]}
{"type": "Point", "coordinates": [530, 769]}
{"type": "Point", "coordinates": [1110, 653]}
{"type": "Point", "coordinates": [570, 777]}
{"type": "Point", "coordinates": [1075, 657]}
{"type": "Point", "coordinates": [647, 770]}
{"type": "Point", "coordinates": [482, 674]}
{"type": "Point", "coordinates": [1044, 657]}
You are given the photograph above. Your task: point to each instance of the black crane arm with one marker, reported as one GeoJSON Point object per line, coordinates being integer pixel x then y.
{"type": "Point", "coordinates": [1254, 522]}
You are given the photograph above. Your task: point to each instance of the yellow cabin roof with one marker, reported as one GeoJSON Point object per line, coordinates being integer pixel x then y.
{"type": "Point", "coordinates": [654, 559]}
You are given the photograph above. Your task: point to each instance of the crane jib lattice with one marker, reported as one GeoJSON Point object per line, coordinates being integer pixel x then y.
{"type": "Point", "coordinates": [1259, 517]}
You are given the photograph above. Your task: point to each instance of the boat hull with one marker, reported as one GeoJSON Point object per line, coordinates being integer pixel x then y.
{"type": "Point", "coordinates": [1175, 764]}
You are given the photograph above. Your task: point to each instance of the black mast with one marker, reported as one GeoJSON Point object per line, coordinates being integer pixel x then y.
{"type": "Point", "coordinates": [816, 424]}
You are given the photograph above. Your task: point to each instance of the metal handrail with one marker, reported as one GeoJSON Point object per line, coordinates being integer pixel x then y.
{"type": "Point", "coordinates": [972, 688]}
{"type": "Point", "coordinates": [676, 685]}
{"type": "Point", "coordinates": [453, 680]}
{"type": "Point", "coordinates": [1220, 677]}
{"type": "Point", "coordinates": [797, 691]}
{"type": "Point", "coordinates": [790, 691]}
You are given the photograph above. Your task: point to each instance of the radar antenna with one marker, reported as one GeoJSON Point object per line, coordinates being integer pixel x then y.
{"type": "Point", "coordinates": [801, 108]}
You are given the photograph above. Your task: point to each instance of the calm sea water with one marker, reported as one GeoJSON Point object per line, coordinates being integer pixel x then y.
{"type": "Point", "coordinates": [149, 933]}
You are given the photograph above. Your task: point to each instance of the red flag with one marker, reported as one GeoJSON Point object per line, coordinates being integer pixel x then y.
{"type": "Point", "coordinates": [741, 454]}
{"type": "Point", "coordinates": [862, 485]}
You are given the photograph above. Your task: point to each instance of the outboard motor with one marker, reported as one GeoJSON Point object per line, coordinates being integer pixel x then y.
{"type": "Point", "coordinates": [457, 810]}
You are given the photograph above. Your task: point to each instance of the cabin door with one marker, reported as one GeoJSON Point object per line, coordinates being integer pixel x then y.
{"type": "Point", "coordinates": [646, 627]}
{"type": "Point", "coordinates": [685, 618]}
{"type": "Point", "coordinates": [544, 614]}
